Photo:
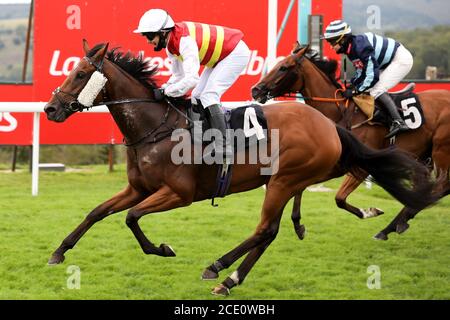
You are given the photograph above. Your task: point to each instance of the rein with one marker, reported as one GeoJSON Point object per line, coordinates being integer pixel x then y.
{"type": "Point", "coordinates": [322, 99]}
{"type": "Point", "coordinates": [166, 133]}
{"type": "Point", "coordinates": [298, 61]}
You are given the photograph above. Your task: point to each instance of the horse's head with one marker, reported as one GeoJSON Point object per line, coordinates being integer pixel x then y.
{"type": "Point", "coordinates": [283, 78]}
{"type": "Point", "coordinates": [81, 88]}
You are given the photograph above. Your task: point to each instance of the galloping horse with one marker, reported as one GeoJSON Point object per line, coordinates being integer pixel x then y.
{"type": "Point", "coordinates": [315, 79]}
{"type": "Point", "coordinates": [311, 149]}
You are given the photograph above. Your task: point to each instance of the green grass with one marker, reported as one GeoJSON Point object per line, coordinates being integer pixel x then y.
{"type": "Point", "coordinates": [331, 263]}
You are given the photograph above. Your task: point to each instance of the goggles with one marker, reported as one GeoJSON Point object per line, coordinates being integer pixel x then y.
{"type": "Point", "coordinates": [150, 35]}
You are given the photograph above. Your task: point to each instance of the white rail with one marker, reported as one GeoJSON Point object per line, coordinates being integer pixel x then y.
{"type": "Point", "coordinates": [37, 108]}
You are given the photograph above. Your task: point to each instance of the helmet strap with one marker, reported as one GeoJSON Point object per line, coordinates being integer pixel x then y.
{"type": "Point", "coordinates": [342, 36]}
{"type": "Point", "coordinates": [162, 43]}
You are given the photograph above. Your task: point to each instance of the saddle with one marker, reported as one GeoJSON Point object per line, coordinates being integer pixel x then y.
{"type": "Point", "coordinates": [247, 119]}
{"type": "Point", "coordinates": [407, 102]}
{"type": "Point", "coordinates": [249, 127]}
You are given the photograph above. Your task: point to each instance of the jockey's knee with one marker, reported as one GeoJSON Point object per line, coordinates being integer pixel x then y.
{"type": "Point", "coordinates": [209, 98]}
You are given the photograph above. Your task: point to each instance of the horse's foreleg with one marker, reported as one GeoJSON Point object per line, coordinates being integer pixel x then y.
{"type": "Point", "coordinates": [121, 201]}
{"type": "Point", "coordinates": [348, 186]}
{"type": "Point", "coordinates": [296, 216]}
{"type": "Point", "coordinates": [162, 200]}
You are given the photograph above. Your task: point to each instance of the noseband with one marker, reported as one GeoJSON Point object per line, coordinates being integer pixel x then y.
{"type": "Point", "coordinates": [75, 105]}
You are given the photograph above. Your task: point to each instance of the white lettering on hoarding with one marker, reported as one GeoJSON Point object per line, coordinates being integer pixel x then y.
{"type": "Point", "coordinates": [67, 66]}
{"type": "Point", "coordinates": [59, 67]}
{"type": "Point", "coordinates": [12, 122]}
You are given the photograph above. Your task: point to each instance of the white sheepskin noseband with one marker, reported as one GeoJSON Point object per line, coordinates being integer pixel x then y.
{"type": "Point", "coordinates": [92, 89]}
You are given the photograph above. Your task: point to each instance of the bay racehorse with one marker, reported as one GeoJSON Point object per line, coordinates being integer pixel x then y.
{"type": "Point", "coordinates": [311, 149]}
{"type": "Point", "coordinates": [304, 72]}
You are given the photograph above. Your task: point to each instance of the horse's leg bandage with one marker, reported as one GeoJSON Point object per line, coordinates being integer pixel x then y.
{"type": "Point", "coordinates": [92, 89]}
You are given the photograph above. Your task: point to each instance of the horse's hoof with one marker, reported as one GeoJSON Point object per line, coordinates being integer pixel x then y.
{"type": "Point", "coordinates": [167, 250]}
{"type": "Point", "coordinates": [221, 290]}
{"type": "Point", "coordinates": [56, 259]}
{"type": "Point", "coordinates": [301, 232]}
{"type": "Point", "coordinates": [380, 236]}
{"type": "Point", "coordinates": [377, 211]}
{"type": "Point", "coordinates": [209, 275]}
{"type": "Point", "coordinates": [402, 227]}
{"type": "Point", "coordinates": [371, 212]}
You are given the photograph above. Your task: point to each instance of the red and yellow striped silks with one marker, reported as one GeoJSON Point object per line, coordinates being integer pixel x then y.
{"type": "Point", "coordinates": [214, 42]}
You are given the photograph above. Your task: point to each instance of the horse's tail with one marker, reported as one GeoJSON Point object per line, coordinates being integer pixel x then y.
{"type": "Point", "coordinates": [394, 170]}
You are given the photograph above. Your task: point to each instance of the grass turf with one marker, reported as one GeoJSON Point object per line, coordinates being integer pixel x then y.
{"type": "Point", "coordinates": [331, 263]}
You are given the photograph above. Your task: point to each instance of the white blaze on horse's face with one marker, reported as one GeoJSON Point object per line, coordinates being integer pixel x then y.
{"type": "Point", "coordinates": [92, 89]}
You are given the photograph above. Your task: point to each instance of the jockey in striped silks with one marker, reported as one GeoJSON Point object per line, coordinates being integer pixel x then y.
{"type": "Point", "coordinates": [189, 45]}
{"type": "Point", "coordinates": [380, 62]}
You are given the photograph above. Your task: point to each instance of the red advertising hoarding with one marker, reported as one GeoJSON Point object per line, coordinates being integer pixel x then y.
{"type": "Point", "coordinates": [60, 26]}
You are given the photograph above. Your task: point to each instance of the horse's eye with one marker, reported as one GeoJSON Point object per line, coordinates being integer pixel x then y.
{"type": "Point", "coordinates": [283, 68]}
{"type": "Point", "coordinates": [81, 75]}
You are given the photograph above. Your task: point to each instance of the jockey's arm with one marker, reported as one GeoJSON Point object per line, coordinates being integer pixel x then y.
{"type": "Point", "coordinates": [188, 73]}
{"type": "Point", "coordinates": [176, 69]}
{"type": "Point", "coordinates": [369, 75]}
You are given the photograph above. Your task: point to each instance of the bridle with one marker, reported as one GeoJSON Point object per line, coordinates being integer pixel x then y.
{"type": "Point", "coordinates": [74, 105]}
{"type": "Point", "coordinates": [151, 136]}
{"type": "Point", "coordinates": [297, 93]}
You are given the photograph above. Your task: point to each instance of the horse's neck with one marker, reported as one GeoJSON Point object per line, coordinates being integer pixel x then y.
{"type": "Point", "coordinates": [133, 119]}
{"type": "Point", "coordinates": [318, 85]}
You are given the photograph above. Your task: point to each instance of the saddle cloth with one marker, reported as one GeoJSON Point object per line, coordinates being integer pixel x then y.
{"type": "Point", "coordinates": [407, 102]}
{"type": "Point", "coordinates": [248, 124]}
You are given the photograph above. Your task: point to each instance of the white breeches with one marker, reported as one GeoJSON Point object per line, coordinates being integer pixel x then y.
{"type": "Point", "coordinates": [394, 73]}
{"type": "Point", "coordinates": [215, 81]}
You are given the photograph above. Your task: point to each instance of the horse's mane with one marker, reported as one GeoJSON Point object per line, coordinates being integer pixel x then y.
{"type": "Point", "coordinates": [135, 66]}
{"type": "Point", "coordinates": [328, 67]}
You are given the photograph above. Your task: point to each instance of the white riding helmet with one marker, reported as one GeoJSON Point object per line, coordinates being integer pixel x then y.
{"type": "Point", "coordinates": [154, 20]}
{"type": "Point", "coordinates": [337, 29]}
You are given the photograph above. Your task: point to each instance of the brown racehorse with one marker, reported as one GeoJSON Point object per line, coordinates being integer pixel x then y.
{"type": "Point", "coordinates": [311, 149]}
{"type": "Point", "coordinates": [315, 79]}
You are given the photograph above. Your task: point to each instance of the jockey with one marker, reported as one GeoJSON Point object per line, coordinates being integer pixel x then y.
{"type": "Point", "coordinates": [188, 45]}
{"type": "Point", "coordinates": [381, 63]}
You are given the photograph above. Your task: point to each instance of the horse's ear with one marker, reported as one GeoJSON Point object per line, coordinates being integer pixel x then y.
{"type": "Point", "coordinates": [86, 46]}
{"type": "Point", "coordinates": [303, 50]}
{"type": "Point", "coordinates": [296, 46]}
{"type": "Point", "coordinates": [100, 55]}
{"type": "Point", "coordinates": [104, 50]}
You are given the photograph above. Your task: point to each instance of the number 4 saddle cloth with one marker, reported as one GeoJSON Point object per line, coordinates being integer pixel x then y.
{"type": "Point", "coordinates": [247, 123]}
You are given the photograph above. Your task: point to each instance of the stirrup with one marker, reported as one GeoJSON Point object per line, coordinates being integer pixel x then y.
{"type": "Point", "coordinates": [396, 127]}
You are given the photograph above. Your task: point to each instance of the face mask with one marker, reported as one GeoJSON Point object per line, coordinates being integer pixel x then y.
{"type": "Point", "coordinates": [162, 43]}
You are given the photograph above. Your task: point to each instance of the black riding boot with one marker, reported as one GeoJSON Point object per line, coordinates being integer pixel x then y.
{"type": "Point", "coordinates": [398, 124]}
{"type": "Point", "coordinates": [195, 114]}
{"type": "Point", "coordinates": [217, 120]}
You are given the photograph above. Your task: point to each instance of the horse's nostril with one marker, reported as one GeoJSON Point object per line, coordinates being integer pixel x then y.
{"type": "Point", "coordinates": [49, 109]}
